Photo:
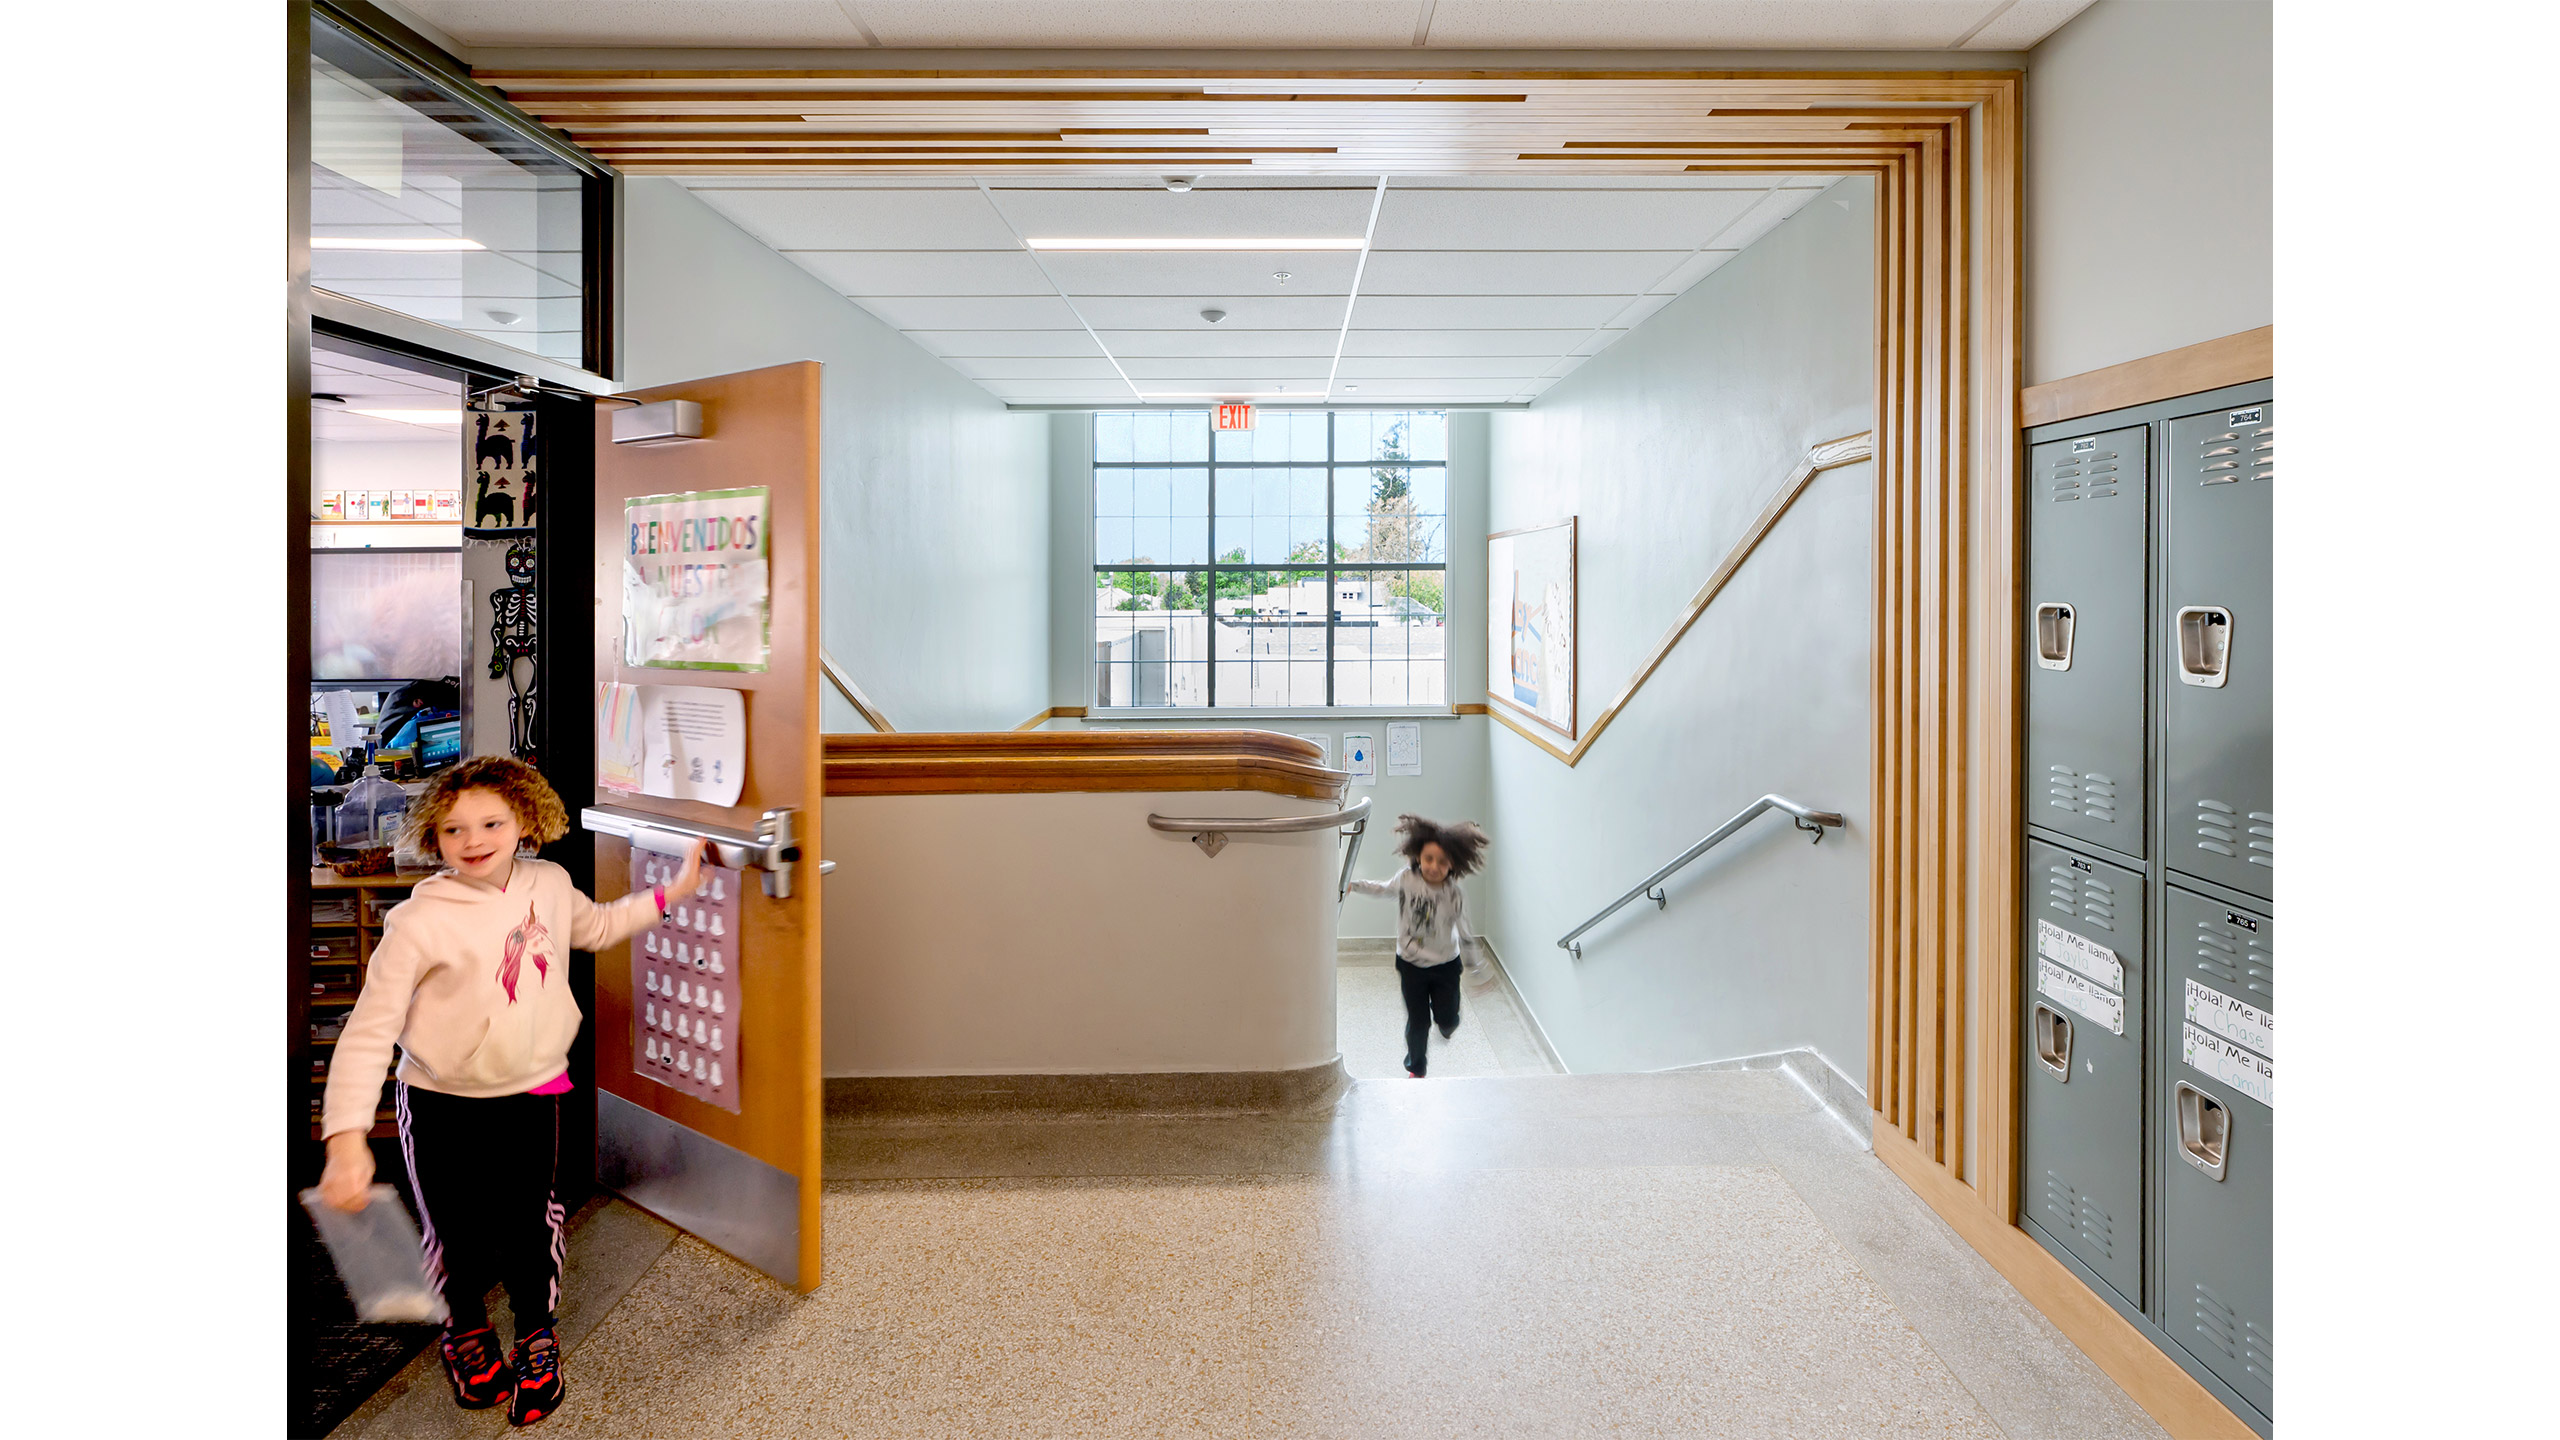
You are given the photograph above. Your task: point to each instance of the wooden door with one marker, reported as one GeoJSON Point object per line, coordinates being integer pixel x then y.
{"type": "Point", "coordinates": [745, 1181]}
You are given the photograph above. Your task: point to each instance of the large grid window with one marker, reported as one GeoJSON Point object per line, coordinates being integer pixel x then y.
{"type": "Point", "coordinates": [1303, 562]}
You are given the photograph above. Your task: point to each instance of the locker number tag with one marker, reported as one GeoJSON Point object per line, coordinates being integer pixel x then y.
{"type": "Point", "coordinates": [2232, 1019]}
{"type": "Point", "coordinates": [2084, 955]}
{"type": "Point", "coordinates": [2077, 994]}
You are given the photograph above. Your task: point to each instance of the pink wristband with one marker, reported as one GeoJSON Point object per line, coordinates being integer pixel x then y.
{"type": "Point", "coordinates": [661, 892]}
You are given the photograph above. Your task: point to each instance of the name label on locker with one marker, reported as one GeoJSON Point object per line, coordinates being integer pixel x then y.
{"type": "Point", "coordinates": [2230, 1018]}
{"type": "Point", "coordinates": [2078, 994]}
{"type": "Point", "coordinates": [2080, 953]}
{"type": "Point", "coordinates": [2083, 447]}
{"type": "Point", "coordinates": [2250, 416]}
{"type": "Point", "coordinates": [2251, 1075]}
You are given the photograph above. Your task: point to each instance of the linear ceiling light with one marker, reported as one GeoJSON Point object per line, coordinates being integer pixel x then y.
{"type": "Point", "coordinates": [1218, 394]}
{"type": "Point", "coordinates": [413, 417]}
{"type": "Point", "coordinates": [1353, 242]}
{"type": "Point", "coordinates": [394, 242]}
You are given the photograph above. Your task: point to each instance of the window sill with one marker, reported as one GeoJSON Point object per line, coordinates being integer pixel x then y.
{"type": "Point", "coordinates": [1198, 714]}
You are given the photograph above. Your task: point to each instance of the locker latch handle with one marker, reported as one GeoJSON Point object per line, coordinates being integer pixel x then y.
{"type": "Point", "coordinates": [2204, 1130]}
{"type": "Point", "coordinates": [2204, 645]}
{"type": "Point", "coordinates": [2053, 635]}
{"type": "Point", "coordinates": [2053, 1040]}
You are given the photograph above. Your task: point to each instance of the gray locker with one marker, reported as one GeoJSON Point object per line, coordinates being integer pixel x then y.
{"type": "Point", "coordinates": [2215, 641]}
{"type": "Point", "coordinates": [2082, 1094]}
{"type": "Point", "coordinates": [2088, 568]}
{"type": "Point", "coordinates": [2217, 1129]}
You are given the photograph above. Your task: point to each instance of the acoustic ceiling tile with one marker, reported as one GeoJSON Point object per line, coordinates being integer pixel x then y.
{"type": "Point", "coordinates": [1033, 368]}
{"type": "Point", "coordinates": [1705, 24]}
{"type": "Point", "coordinates": [1482, 312]}
{"type": "Point", "coordinates": [971, 312]}
{"type": "Point", "coordinates": [1555, 219]}
{"type": "Point", "coordinates": [1515, 272]}
{"type": "Point", "coordinates": [1445, 367]}
{"type": "Point", "coordinates": [1698, 267]}
{"type": "Point", "coordinates": [1182, 312]}
{"type": "Point", "coordinates": [1226, 369]}
{"type": "Point", "coordinates": [1078, 212]}
{"type": "Point", "coordinates": [639, 22]}
{"type": "Point", "coordinates": [830, 218]}
{"type": "Point", "coordinates": [1462, 342]}
{"type": "Point", "coordinates": [1221, 273]}
{"type": "Point", "coordinates": [2025, 25]}
{"type": "Point", "coordinates": [866, 273]}
{"type": "Point", "coordinates": [958, 344]}
{"type": "Point", "coordinates": [1149, 24]}
{"type": "Point", "coordinates": [1220, 340]}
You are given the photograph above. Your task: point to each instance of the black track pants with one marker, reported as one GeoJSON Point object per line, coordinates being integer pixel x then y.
{"type": "Point", "coordinates": [1430, 991]}
{"type": "Point", "coordinates": [483, 1171]}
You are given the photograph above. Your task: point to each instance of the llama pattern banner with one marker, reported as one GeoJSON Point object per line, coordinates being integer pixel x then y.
{"type": "Point", "coordinates": [502, 469]}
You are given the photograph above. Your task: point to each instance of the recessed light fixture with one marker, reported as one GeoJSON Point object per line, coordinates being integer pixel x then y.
{"type": "Point", "coordinates": [1214, 395]}
{"type": "Point", "coordinates": [1349, 388]}
{"type": "Point", "coordinates": [414, 417]}
{"type": "Point", "coordinates": [394, 242]}
{"type": "Point", "coordinates": [1169, 242]}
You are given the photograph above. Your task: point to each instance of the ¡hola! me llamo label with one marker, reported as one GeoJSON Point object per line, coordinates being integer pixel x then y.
{"type": "Point", "coordinates": [2076, 993]}
{"type": "Point", "coordinates": [2232, 1019]}
{"type": "Point", "coordinates": [2251, 1075]}
{"type": "Point", "coordinates": [2080, 953]}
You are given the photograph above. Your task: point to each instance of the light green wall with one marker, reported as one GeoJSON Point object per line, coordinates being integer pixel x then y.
{"type": "Point", "coordinates": [936, 499]}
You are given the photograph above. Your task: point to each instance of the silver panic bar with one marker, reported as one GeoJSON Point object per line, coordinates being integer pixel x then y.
{"type": "Point", "coordinates": [1650, 888]}
{"type": "Point", "coordinates": [1210, 832]}
{"type": "Point", "coordinates": [770, 847]}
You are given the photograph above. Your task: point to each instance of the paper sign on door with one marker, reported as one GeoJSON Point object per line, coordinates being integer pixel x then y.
{"type": "Point", "coordinates": [2251, 1075]}
{"type": "Point", "coordinates": [684, 742]}
{"type": "Point", "coordinates": [2076, 993]}
{"type": "Point", "coordinates": [2084, 955]}
{"type": "Point", "coordinates": [2236, 1020]}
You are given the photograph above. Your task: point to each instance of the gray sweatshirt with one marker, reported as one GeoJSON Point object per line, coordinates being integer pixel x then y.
{"type": "Point", "coordinates": [1431, 920]}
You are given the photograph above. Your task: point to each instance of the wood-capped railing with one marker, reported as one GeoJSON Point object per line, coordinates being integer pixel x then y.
{"type": "Point", "coordinates": [1053, 762]}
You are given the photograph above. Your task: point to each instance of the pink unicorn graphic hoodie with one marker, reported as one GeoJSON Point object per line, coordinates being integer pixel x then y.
{"type": "Point", "coordinates": [473, 985]}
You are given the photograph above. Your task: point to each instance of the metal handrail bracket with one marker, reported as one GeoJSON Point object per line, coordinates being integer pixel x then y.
{"type": "Point", "coordinates": [1650, 888]}
{"type": "Point", "coordinates": [1210, 832]}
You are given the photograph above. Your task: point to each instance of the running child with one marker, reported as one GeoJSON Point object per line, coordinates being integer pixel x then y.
{"type": "Point", "coordinates": [471, 979]}
{"type": "Point", "coordinates": [1431, 925]}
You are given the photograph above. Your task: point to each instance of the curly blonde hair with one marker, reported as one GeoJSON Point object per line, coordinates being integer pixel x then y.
{"type": "Point", "coordinates": [539, 813]}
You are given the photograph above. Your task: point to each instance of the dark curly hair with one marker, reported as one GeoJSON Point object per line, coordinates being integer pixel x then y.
{"type": "Point", "coordinates": [1463, 842]}
{"type": "Point", "coordinates": [539, 813]}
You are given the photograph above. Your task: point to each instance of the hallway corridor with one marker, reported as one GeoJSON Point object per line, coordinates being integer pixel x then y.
{"type": "Point", "coordinates": [1694, 1254]}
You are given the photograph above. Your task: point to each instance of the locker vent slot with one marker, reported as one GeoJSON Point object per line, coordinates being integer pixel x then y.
{"type": "Point", "coordinates": [2236, 962]}
{"type": "Point", "coordinates": [2218, 828]}
{"type": "Point", "coordinates": [2244, 1345]}
{"type": "Point", "coordinates": [2262, 839]}
{"type": "Point", "coordinates": [2262, 450]}
{"type": "Point", "coordinates": [2069, 1212]}
{"type": "Point", "coordinates": [2081, 897]}
{"type": "Point", "coordinates": [2073, 793]}
{"type": "Point", "coordinates": [2218, 460]}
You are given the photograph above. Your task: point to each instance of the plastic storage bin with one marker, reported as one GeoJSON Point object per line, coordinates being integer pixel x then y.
{"type": "Point", "coordinates": [379, 1258]}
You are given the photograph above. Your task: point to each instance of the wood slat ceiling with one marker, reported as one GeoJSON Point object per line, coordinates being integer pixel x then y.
{"type": "Point", "coordinates": [713, 122]}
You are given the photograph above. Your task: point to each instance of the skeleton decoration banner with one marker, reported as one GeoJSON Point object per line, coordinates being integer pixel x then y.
{"type": "Point", "coordinates": [501, 453]}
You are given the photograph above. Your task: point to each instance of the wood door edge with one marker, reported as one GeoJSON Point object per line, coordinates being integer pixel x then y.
{"type": "Point", "coordinates": [2163, 1388]}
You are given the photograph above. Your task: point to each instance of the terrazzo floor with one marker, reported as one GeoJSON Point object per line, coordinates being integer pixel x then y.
{"type": "Point", "coordinates": [1494, 1036]}
{"type": "Point", "coordinates": [1691, 1254]}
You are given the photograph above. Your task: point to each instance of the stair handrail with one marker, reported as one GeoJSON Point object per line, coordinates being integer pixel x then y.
{"type": "Point", "coordinates": [1806, 818]}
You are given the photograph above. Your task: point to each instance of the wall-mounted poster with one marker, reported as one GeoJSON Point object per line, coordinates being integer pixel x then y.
{"type": "Point", "coordinates": [1531, 602]}
{"type": "Point", "coordinates": [694, 580]}
{"type": "Point", "coordinates": [503, 471]}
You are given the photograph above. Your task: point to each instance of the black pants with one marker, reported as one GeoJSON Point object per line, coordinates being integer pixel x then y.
{"type": "Point", "coordinates": [483, 1172]}
{"type": "Point", "coordinates": [1430, 991]}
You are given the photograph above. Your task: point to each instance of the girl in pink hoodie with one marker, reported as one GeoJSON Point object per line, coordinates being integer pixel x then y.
{"type": "Point", "coordinates": [471, 980]}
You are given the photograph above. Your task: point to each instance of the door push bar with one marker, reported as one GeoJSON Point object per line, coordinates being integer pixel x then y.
{"type": "Point", "coordinates": [770, 847]}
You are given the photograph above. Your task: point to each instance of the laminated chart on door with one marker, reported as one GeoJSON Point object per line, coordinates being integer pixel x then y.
{"type": "Point", "coordinates": [2074, 992]}
{"type": "Point", "coordinates": [2231, 1018]}
{"type": "Point", "coordinates": [2080, 953]}
{"type": "Point", "coordinates": [684, 983]}
{"type": "Point", "coordinates": [2250, 1074]}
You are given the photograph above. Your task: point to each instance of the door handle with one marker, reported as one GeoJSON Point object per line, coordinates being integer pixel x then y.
{"type": "Point", "coordinates": [2053, 635]}
{"type": "Point", "coordinates": [770, 847]}
{"type": "Point", "coordinates": [2053, 1040]}
{"type": "Point", "coordinates": [2204, 1130]}
{"type": "Point", "coordinates": [2204, 645]}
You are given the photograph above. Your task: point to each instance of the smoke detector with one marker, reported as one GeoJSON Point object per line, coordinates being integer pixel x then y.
{"type": "Point", "coordinates": [1177, 183]}
{"type": "Point", "coordinates": [1213, 316]}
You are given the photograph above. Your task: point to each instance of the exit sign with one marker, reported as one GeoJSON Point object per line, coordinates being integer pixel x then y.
{"type": "Point", "coordinates": [1235, 417]}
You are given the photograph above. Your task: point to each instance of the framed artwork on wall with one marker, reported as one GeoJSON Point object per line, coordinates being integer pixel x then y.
{"type": "Point", "coordinates": [1531, 602]}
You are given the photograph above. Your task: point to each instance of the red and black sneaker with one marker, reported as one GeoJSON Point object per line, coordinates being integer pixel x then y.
{"type": "Point", "coordinates": [536, 1362]}
{"type": "Point", "coordinates": [480, 1374]}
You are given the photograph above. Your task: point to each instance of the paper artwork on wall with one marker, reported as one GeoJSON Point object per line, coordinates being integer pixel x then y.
{"type": "Point", "coordinates": [1404, 747]}
{"type": "Point", "coordinates": [1531, 602]}
{"type": "Point", "coordinates": [678, 742]}
{"type": "Point", "coordinates": [695, 580]}
{"type": "Point", "coordinates": [1360, 757]}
